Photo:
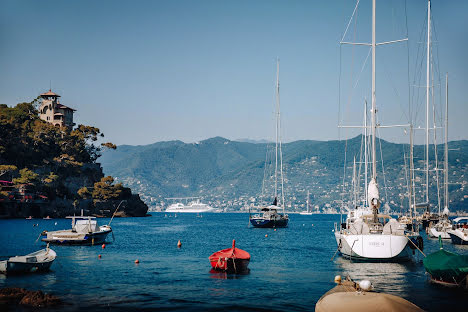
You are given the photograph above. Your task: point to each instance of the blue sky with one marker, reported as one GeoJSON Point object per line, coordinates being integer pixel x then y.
{"type": "Point", "coordinates": [146, 71]}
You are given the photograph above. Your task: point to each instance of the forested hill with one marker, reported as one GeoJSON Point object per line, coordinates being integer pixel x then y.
{"type": "Point", "coordinates": [228, 174]}
{"type": "Point", "coordinates": [48, 170]}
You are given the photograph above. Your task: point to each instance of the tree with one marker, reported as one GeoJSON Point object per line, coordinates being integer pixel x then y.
{"type": "Point", "coordinates": [109, 145]}
{"type": "Point", "coordinates": [26, 176]}
{"type": "Point", "coordinates": [104, 190]}
{"type": "Point", "coordinates": [4, 169]}
{"type": "Point", "coordinates": [50, 179]}
{"type": "Point", "coordinates": [84, 192]}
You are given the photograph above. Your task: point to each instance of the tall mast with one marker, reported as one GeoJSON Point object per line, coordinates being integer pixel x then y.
{"type": "Point", "coordinates": [365, 150]}
{"type": "Point", "coordinates": [308, 201]}
{"type": "Point", "coordinates": [374, 162]}
{"type": "Point", "coordinates": [276, 127]}
{"type": "Point", "coordinates": [354, 184]}
{"type": "Point", "coordinates": [427, 95]}
{"type": "Point", "coordinates": [446, 195]}
{"type": "Point", "coordinates": [411, 171]}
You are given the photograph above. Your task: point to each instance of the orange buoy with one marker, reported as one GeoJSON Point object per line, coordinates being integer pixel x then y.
{"type": "Point", "coordinates": [275, 230]}
{"type": "Point", "coordinates": [179, 244]}
{"type": "Point", "coordinates": [99, 256]}
{"type": "Point", "coordinates": [137, 261]}
{"type": "Point", "coordinates": [103, 246]}
{"type": "Point", "coordinates": [266, 235]}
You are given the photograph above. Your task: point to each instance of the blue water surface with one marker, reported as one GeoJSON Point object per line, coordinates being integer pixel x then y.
{"type": "Point", "coordinates": [291, 268]}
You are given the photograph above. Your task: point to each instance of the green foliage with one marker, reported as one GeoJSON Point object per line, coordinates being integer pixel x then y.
{"type": "Point", "coordinates": [84, 192]}
{"type": "Point", "coordinates": [105, 190]}
{"type": "Point", "coordinates": [4, 169]}
{"type": "Point", "coordinates": [109, 145]}
{"type": "Point", "coordinates": [50, 179]}
{"type": "Point", "coordinates": [26, 176]}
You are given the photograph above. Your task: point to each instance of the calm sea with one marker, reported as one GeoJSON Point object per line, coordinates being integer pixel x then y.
{"type": "Point", "coordinates": [290, 269]}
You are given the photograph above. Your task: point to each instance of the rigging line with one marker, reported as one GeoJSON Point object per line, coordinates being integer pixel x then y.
{"type": "Point", "coordinates": [362, 68]}
{"type": "Point", "coordinates": [389, 76]}
{"type": "Point", "coordinates": [350, 20]}
{"type": "Point", "coordinates": [383, 168]}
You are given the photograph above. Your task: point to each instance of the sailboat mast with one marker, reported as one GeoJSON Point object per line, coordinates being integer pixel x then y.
{"type": "Point", "coordinates": [365, 150]}
{"type": "Point", "coordinates": [446, 195]}
{"type": "Point", "coordinates": [308, 201]}
{"type": "Point", "coordinates": [374, 161]}
{"type": "Point", "coordinates": [427, 94]}
{"type": "Point", "coordinates": [354, 184]}
{"type": "Point", "coordinates": [276, 128]}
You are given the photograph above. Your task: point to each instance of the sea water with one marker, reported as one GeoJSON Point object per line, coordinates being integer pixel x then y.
{"type": "Point", "coordinates": [290, 268]}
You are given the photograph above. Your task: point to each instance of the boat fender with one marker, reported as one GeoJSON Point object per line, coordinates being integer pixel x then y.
{"type": "Point", "coordinates": [339, 244]}
{"type": "Point", "coordinates": [365, 285]}
{"type": "Point", "coordinates": [338, 279]}
{"type": "Point", "coordinates": [103, 246]}
{"type": "Point", "coordinates": [420, 242]}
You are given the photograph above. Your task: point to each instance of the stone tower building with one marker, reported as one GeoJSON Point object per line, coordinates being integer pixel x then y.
{"type": "Point", "coordinates": [52, 111]}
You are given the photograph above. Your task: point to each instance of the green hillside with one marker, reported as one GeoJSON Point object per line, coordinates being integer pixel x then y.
{"type": "Point", "coordinates": [231, 174]}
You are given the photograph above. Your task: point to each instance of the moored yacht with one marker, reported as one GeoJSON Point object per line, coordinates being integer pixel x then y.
{"type": "Point", "coordinates": [459, 231]}
{"type": "Point", "coordinates": [369, 235]}
{"type": "Point", "coordinates": [268, 216]}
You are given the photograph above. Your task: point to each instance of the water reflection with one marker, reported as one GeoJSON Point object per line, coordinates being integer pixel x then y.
{"type": "Point", "coordinates": [386, 277]}
{"type": "Point", "coordinates": [224, 275]}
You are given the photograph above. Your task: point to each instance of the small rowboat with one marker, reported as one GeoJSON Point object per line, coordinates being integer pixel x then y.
{"type": "Point", "coordinates": [231, 260]}
{"type": "Point", "coordinates": [34, 262]}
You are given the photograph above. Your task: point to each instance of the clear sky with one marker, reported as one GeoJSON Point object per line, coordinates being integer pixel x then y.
{"type": "Point", "coordinates": [146, 71]}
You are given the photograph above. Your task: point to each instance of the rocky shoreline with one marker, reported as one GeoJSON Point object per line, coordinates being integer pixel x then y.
{"type": "Point", "coordinates": [14, 296]}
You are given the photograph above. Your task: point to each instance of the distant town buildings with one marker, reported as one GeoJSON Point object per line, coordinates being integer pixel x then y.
{"type": "Point", "coordinates": [52, 111]}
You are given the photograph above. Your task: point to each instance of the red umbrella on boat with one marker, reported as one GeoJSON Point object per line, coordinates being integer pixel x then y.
{"type": "Point", "coordinates": [231, 260]}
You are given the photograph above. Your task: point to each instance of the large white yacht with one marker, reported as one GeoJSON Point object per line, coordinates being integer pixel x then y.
{"type": "Point", "coordinates": [368, 235]}
{"type": "Point", "coordinates": [194, 207]}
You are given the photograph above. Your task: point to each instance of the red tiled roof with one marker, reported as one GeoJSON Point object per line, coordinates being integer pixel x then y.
{"type": "Point", "coordinates": [50, 93]}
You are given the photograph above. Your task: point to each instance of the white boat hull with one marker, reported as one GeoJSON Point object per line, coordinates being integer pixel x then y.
{"type": "Point", "coordinates": [372, 247]}
{"type": "Point", "coordinates": [434, 233]}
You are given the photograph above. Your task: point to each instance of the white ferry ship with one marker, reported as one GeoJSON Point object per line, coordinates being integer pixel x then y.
{"type": "Point", "coordinates": [194, 207]}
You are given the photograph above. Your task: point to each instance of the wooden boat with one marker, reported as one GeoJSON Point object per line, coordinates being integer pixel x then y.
{"type": "Point", "coordinates": [84, 231]}
{"type": "Point", "coordinates": [355, 297]}
{"type": "Point", "coordinates": [34, 262]}
{"type": "Point", "coordinates": [447, 268]}
{"type": "Point", "coordinates": [230, 260]}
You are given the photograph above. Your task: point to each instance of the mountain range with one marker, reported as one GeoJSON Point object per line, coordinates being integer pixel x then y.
{"type": "Point", "coordinates": [232, 175]}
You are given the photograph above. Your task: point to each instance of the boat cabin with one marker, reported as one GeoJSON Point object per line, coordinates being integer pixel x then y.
{"type": "Point", "coordinates": [84, 224]}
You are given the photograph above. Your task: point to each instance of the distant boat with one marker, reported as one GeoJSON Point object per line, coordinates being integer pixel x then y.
{"type": "Point", "coordinates": [447, 268]}
{"type": "Point", "coordinates": [230, 260]}
{"type": "Point", "coordinates": [440, 229]}
{"type": "Point", "coordinates": [29, 218]}
{"type": "Point", "coordinates": [193, 207]}
{"type": "Point", "coordinates": [269, 217]}
{"type": "Point", "coordinates": [47, 218]}
{"type": "Point", "coordinates": [307, 212]}
{"type": "Point", "coordinates": [459, 231]}
{"type": "Point", "coordinates": [34, 262]}
{"type": "Point", "coordinates": [84, 231]}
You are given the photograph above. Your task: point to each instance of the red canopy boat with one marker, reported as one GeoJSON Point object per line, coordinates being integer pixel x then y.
{"type": "Point", "coordinates": [231, 260]}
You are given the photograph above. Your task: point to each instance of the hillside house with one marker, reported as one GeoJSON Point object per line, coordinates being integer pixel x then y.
{"type": "Point", "coordinates": [52, 111]}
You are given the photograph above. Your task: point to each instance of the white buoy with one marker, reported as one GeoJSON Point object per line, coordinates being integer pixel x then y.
{"type": "Point", "coordinates": [366, 285]}
{"type": "Point", "coordinates": [338, 279]}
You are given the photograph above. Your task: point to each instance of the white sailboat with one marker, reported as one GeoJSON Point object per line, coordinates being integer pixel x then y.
{"type": "Point", "coordinates": [268, 216]}
{"type": "Point", "coordinates": [308, 211]}
{"type": "Point", "coordinates": [368, 235]}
